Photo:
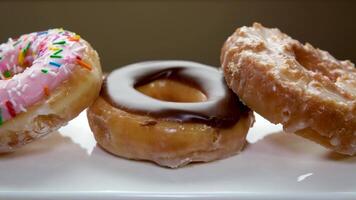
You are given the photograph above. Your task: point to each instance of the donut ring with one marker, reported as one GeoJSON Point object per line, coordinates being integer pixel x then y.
{"type": "Point", "coordinates": [128, 123]}
{"type": "Point", "coordinates": [43, 79]}
{"type": "Point", "coordinates": [306, 89]}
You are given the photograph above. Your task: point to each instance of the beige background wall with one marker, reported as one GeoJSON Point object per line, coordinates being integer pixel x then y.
{"type": "Point", "coordinates": [127, 31]}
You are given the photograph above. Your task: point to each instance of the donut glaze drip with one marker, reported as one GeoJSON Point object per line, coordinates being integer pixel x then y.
{"type": "Point", "coordinates": [222, 108]}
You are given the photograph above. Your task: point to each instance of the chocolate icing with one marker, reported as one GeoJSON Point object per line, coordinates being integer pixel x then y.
{"type": "Point", "coordinates": [222, 108]}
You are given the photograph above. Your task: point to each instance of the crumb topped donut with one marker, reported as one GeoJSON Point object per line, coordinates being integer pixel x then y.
{"type": "Point", "coordinates": [169, 112]}
{"type": "Point", "coordinates": [46, 79]}
{"type": "Point", "coordinates": [306, 89]}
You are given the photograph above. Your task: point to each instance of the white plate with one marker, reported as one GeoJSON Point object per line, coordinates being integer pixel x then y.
{"type": "Point", "coordinates": [69, 165]}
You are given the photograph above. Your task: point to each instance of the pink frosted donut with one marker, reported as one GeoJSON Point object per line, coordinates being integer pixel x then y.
{"type": "Point", "coordinates": [46, 79]}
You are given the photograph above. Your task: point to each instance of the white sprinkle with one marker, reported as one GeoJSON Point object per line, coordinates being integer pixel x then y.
{"type": "Point", "coordinates": [2, 76]}
{"type": "Point", "coordinates": [11, 97]}
{"type": "Point", "coordinates": [24, 87]}
{"type": "Point", "coordinates": [16, 91]}
{"type": "Point", "coordinates": [78, 49]}
{"type": "Point", "coordinates": [22, 108]}
{"type": "Point", "coordinates": [15, 69]}
{"type": "Point", "coordinates": [16, 88]}
{"type": "Point", "coordinates": [65, 69]}
{"type": "Point", "coordinates": [13, 102]}
{"type": "Point", "coordinates": [12, 58]}
{"type": "Point", "coordinates": [52, 73]}
{"type": "Point", "coordinates": [19, 84]}
{"type": "Point", "coordinates": [33, 74]}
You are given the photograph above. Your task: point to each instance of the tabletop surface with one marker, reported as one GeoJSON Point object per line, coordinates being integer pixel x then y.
{"type": "Point", "coordinates": [68, 164]}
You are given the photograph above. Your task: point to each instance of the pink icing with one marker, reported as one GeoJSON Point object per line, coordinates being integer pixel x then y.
{"type": "Point", "coordinates": [27, 86]}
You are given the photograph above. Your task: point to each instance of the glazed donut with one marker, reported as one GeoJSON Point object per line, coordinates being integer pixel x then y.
{"type": "Point", "coordinates": [306, 89]}
{"type": "Point", "coordinates": [169, 112]}
{"type": "Point", "coordinates": [47, 78]}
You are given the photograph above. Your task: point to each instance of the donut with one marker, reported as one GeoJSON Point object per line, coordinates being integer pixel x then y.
{"type": "Point", "coordinates": [304, 88]}
{"type": "Point", "coordinates": [169, 112]}
{"type": "Point", "coordinates": [46, 79]}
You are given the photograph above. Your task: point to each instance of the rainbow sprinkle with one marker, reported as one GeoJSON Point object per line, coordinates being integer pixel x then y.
{"type": "Point", "coordinates": [46, 90]}
{"type": "Point", "coordinates": [75, 38]}
{"type": "Point", "coordinates": [20, 58]}
{"type": "Point", "coordinates": [16, 43]}
{"type": "Point", "coordinates": [45, 71]}
{"type": "Point", "coordinates": [60, 42]}
{"type": "Point", "coordinates": [55, 64]}
{"type": "Point", "coordinates": [42, 33]}
{"type": "Point", "coordinates": [58, 51]}
{"type": "Point", "coordinates": [7, 74]}
{"type": "Point", "coordinates": [53, 48]}
{"type": "Point", "coordinates": [55, 56]}
{"type": "Point", "coordinates": [10, 108]}
{"type": "Point", "coordinates": [24, 51]}
{"type": "Point", "coordinates": [84, 64]}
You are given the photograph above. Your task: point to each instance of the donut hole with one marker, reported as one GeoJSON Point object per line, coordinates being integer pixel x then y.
{"type": "Point", "coordinates": [172, 91]}
{"type": "Point", "coordinates": [312, 62]}
{"type": "Point", "coordinates": [16, 64]}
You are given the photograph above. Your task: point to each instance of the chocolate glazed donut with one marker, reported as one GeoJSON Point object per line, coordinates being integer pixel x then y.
{"type": "Point", "coordinates": [127, 122]}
